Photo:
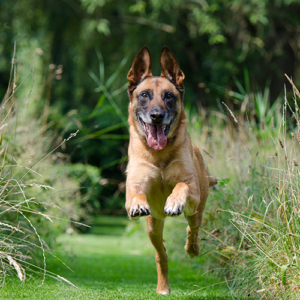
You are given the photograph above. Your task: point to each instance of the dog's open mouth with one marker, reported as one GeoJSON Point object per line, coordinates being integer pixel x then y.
{"type": "Point", "coordinates": [156, 134]}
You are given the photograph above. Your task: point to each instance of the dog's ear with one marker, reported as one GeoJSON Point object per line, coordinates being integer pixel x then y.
{"type": "Point", "coordinates": [170, 68]}
{"type": "Point", "coordinates": [141, 68]}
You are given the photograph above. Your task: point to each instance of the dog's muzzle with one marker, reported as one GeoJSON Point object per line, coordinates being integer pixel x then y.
{"type": "Point", "coordinates": [156, 134]}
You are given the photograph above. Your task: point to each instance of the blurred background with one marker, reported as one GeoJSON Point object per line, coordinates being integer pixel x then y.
{"type": "Point", "coordinates": [83, 50]}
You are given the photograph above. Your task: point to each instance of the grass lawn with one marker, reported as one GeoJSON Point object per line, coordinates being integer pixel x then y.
{"type": "Point", "coordinates": [111, 267]}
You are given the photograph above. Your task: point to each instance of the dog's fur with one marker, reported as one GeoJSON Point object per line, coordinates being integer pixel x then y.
{"type": "Point", "coordinates": [165, 175]}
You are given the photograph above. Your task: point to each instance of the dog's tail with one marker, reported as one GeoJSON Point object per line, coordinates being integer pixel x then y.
{"type": "Point", "coordinates": [212, 179]}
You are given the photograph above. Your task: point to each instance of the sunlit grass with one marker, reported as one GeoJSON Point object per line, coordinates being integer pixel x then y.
{"type": "Point", "coordinates": [112, 267]}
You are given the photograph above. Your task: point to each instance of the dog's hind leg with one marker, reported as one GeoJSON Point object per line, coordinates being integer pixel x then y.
{"type": "Point", "coordinates": [192, 247]}
{"type": "Point", "coordinates": [155, 232]}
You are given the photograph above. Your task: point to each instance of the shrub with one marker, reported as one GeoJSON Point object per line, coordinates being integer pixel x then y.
{"type": "Point", "coordinates": [38, 192]}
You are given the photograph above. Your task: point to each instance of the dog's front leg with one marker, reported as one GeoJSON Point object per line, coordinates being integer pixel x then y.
{"type": "Point", "coordinates": [184, 197]}
{"type": "Point", "coordinates": [137, 185]}
{"type": "Point", "coordinates": [136, 205]}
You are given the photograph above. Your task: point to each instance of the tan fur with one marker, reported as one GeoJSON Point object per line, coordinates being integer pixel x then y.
{"type": "Point", "coordinates": [173, 176]}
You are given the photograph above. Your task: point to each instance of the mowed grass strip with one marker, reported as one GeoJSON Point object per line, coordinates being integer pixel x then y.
{"type": "Point", "coordinates": [111, 267]}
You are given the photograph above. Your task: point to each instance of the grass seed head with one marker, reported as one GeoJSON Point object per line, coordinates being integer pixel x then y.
{"type": "Point", "coordinates": [280, 142]}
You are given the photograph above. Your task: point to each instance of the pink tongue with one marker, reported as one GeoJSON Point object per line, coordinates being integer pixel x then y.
{"type": "Point", "coordinates": [156, 138]}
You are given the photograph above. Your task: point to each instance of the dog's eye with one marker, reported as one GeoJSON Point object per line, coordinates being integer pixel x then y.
{"type": "Point", "coordinates": [169, 96]}
{"type": "Point", "coordinates": [144, 95]}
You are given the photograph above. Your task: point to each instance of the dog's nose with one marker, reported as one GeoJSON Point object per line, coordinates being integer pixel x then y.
{"type": "Point", "coordinates": [157, 115]}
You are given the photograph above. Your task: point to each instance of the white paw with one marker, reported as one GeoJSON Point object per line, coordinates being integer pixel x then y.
{"type": "Point", "coordinates": [138, 210]}
{"type": "Point", "coordinates": [164, 292]}
{"type": "Point", "coordinates": [174, 205]}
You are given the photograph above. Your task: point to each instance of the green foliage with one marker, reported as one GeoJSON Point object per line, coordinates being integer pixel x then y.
{"type": "Point", "coordinates": [88, 178]}
{"type": "Point", "coordinates": [258, 241]}
{"type": "Point", "coordinates": [214, 42]}
{"type": "Point", "coordinates": [39, 188]}
{"type": "Point", "coordinates": [256, 105]}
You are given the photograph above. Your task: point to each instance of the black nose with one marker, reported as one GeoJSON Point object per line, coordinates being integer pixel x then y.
{"type": "Point", "coordinates": [157, 115]}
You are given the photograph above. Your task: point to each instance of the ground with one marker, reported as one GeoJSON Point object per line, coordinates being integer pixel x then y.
{"type": "Point", "coordinates": [112, 267]}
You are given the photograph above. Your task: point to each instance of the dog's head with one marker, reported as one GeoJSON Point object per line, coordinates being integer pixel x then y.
{"type": "Point", "coordinates": [156, 103]}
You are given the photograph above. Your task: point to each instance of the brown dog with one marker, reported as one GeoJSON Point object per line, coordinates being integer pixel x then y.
{"type": "Point", "coordinates": [166, 174]}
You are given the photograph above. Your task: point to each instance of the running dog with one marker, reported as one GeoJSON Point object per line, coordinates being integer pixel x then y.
{"type": "Point", "coordinates": [166, 174]}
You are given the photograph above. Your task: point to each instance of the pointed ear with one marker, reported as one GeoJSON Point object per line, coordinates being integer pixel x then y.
{"type": "Point", "coordinates": [170, 68]}
{"type": "Point", "coordinates": [141, 68]}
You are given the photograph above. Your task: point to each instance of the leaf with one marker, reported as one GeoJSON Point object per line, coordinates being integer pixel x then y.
{"type": "Point", "coordinates": [257, 219]}
{"type": "Point", "coordinates": [64, 279]}
{"type": "Point", "coordinates": [113, 163]}
{"type": "Point", "coordinates": [272, 264]}
{"type": "Point", "coordinates": [139, 7]}
{"type": "Point", "coordinates": [99, 103]}
{"type": "Point", "coordinates": [111, 79]}
{"type": "Point", "coordinates": [16, 266]}
{"type": "Point", "coordinates": [103, 27]}
{"type": "Point", "coordinates": [239, 86]}
{"type": "Point", "coordinates": [101, 132]}
{"type": "Point", "coordinates": [217, 39]}
{"type": "Point", "coordinates": [247, 80]}
{"type": "Point", "coordinates": [283, 274]}
{"type": "Point", "coordinates": [91, 25]}
{"type": "Point", "coordinates": [101, 65]}
{"type": "Point", "coordinates": [224, 181]}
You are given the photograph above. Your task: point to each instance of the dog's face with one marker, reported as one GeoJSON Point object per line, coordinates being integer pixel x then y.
{"type": "Point", "coordinates": [156, 103]}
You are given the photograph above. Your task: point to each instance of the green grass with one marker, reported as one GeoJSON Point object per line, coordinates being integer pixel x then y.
{"type": "Point", "coordinates": [107, 225]}
{"type": "Point", "coordinates": [112, 267]}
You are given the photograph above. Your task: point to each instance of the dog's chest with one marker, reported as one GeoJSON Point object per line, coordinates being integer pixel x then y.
{"type": "Point", "coordinates": [160, 189]}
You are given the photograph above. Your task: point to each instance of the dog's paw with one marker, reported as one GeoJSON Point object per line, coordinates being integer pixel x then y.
{"type": "Point", "coordinates": [174, 205]}
{"type": "Point", "coordinates": [164, 291]}
{"type": "Point", "coordinates": [192, 249]}
{"type": "Point", "coordinates": [138, 210]}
